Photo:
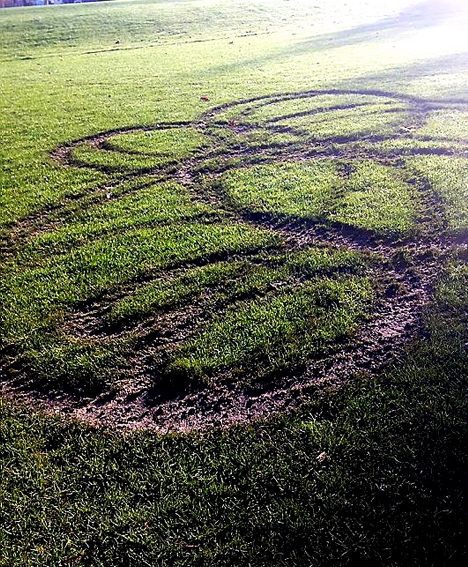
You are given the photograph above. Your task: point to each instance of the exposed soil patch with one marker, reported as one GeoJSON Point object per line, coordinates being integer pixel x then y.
{"type": "Point", "coordinates": [404, 277]}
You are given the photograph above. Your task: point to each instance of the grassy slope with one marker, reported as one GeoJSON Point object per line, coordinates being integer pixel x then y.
{"type": "Point", "coordinates": [388, 486]}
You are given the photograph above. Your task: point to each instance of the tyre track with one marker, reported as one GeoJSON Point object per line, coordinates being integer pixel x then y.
{"type": "Point", "coordinates": [405, 277]}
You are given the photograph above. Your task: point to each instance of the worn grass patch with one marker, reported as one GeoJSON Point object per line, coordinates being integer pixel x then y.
{"type": "Point", "coordinates": [384, 459]}
{"type": "Point", "coordinates": [225, 282]}
{"type": "Point", "coordinates": [338, 116]}
{"type": "Point", "coordinates": [150, 206]}
{"type": "Point", "coordinates": [39, 291]}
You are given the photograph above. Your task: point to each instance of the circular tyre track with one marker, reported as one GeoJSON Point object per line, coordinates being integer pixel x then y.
{"type": "Point", "coordinates": [291, 127]}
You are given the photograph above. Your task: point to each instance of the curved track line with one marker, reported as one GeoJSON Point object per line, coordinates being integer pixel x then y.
{"type": "Point", "coordinates": [406, 285]}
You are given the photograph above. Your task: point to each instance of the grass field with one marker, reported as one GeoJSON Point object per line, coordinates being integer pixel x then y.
{"type": "Point", "coordinates": [233, 283]}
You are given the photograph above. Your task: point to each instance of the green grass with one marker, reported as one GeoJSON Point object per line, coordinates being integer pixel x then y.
{"type": "Point", "coordinates": [378, 198]}
{"type": "Point", "coordinates": [233, 280]}
{"type": "Point", "coordinates": [88, 270]}
{"type": "Point", "coordinates": [110, 161]}
{"type": "Point", "coordinates": [116, 27]}
{"type": "Point", "coordinates": [448, 177]}
{"type": "Point", "coordinates": [334, 116]}
{"type": "Point", "coordinates": [302, 189]}
{"type": "Point", "coordinates": [279, 310]}
{"type": "Point", "coordinates": [156, 204]}
{"type": "Point", "coordinates": [82, 366]}
{"type": "Point", "coordinates": [40, 291]}
{"type": "Point", "coordinates": [450, 124]}
{"type": "Point", "coordinates": [360, 194]}
{"type": "Point", "coordinates": [388, 487]}
{"type": "Point", "coordinates": [176, 143]}
{"type": "Point", "coordinates": [95, 256]}
{"type": "Point", "coordinates": [140, 151]}
{"type": "Point", "coordinates": [274, 335]}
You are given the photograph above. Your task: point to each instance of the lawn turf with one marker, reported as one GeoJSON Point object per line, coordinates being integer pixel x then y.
{"type": "Point", "coordinates": [371, 472]}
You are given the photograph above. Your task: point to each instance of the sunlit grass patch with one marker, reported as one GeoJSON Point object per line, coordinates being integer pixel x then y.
{"type": "Point", "coordinates": [26, 188]}
{"type": "Point", "coordinates": [305, 189]}
{"type": "Point", "coordinates": [377, 198]}
{"type": "Point", "coordinates": [279, 108]}
{"type": "Point", "coordinates": [233, 136]}
{"type": "Point", "coordinates": [448, 176]}
{"type": "Point", "coordinates": [365, 195]}
{"type": "Point", "coordinates": [165, 144]}
{"type": "Point", "coordinates": [417, 145]}
{"type": "Point", "coordinates": [327, 116]}
{"type": "Point", "coordinates": [446, 124]}
{"type": "Point", "coordinates": [111, 161]}
{"type": "Point", "coordinates": [275, 333]}
{"type": "Point", "coordinates": [150, 206]}
{"type": "Point", "coordinates": [140, 150]}
{"type": "Point", "coordinates": [341, 123]}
